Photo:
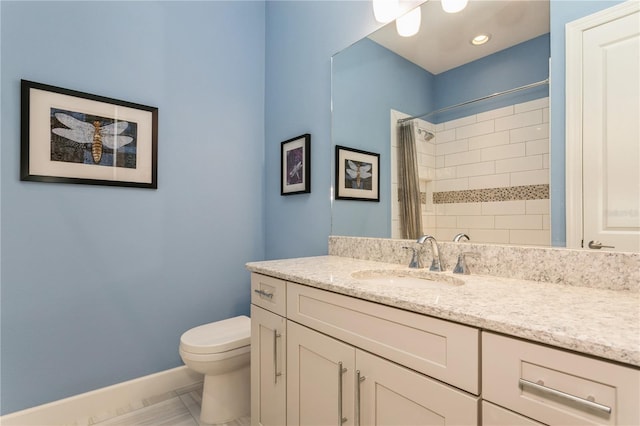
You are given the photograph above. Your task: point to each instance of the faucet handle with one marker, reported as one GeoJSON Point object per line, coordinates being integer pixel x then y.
{"type": "Point", "coordinates": [461, 266]}
{"type": "Point", "coordinates": [415, 257]}
{"type": "Point", "coordinates": [460, 236]}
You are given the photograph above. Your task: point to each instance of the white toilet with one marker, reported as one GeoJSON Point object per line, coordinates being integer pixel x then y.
{"type": "Point", "coordinates": [221, 351]}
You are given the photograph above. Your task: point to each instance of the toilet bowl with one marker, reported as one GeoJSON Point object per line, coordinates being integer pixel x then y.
{"type": "Point", "coordinates": [221, 351]}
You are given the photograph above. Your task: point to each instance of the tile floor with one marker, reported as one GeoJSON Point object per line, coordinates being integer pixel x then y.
{"type": "Point", "coordinates": [177, 408]}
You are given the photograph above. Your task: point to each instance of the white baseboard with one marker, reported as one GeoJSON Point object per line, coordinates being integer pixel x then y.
{"type": "Point", "coordinates": [111, 398]}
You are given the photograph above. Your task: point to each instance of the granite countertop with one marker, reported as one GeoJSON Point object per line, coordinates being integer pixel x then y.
{"type": "Point", "coordinates": [602, 323]}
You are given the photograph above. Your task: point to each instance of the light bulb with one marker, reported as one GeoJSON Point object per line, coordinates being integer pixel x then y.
{"type": "Point", "coordinates": [409, 24]}
{"type": "Point", "coordinates": [480, 39]}
{"type": "Point", "coordinates": [454, 6]}
{"type": "Point", "coordinates": [385, 10]}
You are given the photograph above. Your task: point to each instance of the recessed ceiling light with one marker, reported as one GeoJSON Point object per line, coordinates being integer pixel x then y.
{"type": "Point", "coordinates": [480, 39]}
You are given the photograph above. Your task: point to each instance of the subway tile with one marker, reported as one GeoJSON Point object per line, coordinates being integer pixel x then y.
{"type": "Point", "coordinates": [496, 236]}
{"type": "Point", "coordinates": [518, 222]}
{"type": "Point", "coordinates": [495, 113]}
{"type": "Point", "coordinates": [430, 221]}
{"type": "Point", "coordinates": [440, 161]}
{"type": "Point", "coordinates": [460, 122]}
{"type": "Point", "coordinates": [446, 221]}
{"type": "Point", "coordinates": [504, 207]}
{"type": "Point", "coordinates": [533, 177]}
{"type": "Point", "coordinates": [529, 133]}
{"type": "Point", "coordinates": [519, 164]}
{"type": "Point", "coordinates": [445, 136]}
{"type": "Point", "coordinates": [489, 181]}
{"type": "Point", "coordinates": [546, 221]}
{"type": "Point", "coordinates": [441, 209]}
{"type": "Point", "coordinates": [462, 158]}
{"type": "Point", "coordinates": [489, 140]}
{"type": "Point", "coordinates": [545, 115]}
{"type": "Point", "coordinates": [515, 121]}
{"type": "Point", "coordinates": [502, 152]}
{"type": "Point", "coordinates": [540, 146]}
{"type": "Point", "coordinates": [439, 127]}
{"type": "Point", "coordinates": [447, 234]}
{"type": "Point", "coordinates": [537, 206]}
{"type": "Point", "coordinates": [530, 237]}
{"type": "Point", "coordinates": [531, 105]}
{"type": "Point", "coordinates": [476, 169]}
{"type": "Point", "coordinates": [468, 209]}
{"type": "Point", "coordinates": [476, 222]}
{"type": "Point", "coordinates": [451, 185]}
{"type": "Point", "coordinates": [461, 145]}
{"type": "Point", "coordinates": [475, 129]}
{"type": "Point", "coordinates": [427, 160]}
{"type": "Point", "coordinates": [446, 173]}
{"type": "Point", "coordinates": [545, 161]}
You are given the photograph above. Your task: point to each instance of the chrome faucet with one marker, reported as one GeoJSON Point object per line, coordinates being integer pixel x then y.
{"type": "Point", "coordinates": [436, 265]}
{"type": "Point", "coordinates": [415, 257]}
{"type": "Point", "coordinates": [460, 236]}
{"type": "Point", "coordinates": [461, 266]}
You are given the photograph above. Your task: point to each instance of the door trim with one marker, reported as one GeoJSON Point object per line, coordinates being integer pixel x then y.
{"type": "Point", "coordinates": [573, 114]}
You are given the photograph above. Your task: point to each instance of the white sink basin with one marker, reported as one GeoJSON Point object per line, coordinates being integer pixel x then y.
{"type": "Point", "coordinates": [418, 278]}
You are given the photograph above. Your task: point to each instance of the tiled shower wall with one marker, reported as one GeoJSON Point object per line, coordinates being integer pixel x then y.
{"type": "Point", "coordinates": [487, 175]}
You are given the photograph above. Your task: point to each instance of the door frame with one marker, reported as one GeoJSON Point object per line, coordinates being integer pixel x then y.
{"type": "Point", "coordinates": [573, 115]}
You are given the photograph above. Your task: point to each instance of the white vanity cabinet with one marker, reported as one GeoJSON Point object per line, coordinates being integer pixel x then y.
{"type": "Point", "coordinates": [557, 387]}
{"type": "Point", "coordinates": [268, 351]}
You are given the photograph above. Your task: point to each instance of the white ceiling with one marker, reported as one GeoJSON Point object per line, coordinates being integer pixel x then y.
{"type": "Point", "coordinates": [443, 42]}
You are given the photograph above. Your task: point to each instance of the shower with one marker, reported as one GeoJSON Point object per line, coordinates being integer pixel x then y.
{"type": "Point", "coordinates": [427, 134]}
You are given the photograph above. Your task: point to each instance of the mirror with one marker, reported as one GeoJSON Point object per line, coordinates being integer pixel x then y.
{"type": "Point", "coordinates": [483, 165]}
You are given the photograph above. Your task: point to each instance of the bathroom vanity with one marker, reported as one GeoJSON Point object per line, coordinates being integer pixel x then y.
{"type": "Point", "coordinates": [338, 340]}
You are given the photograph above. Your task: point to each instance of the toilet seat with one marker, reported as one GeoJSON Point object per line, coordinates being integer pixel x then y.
{"type": "Point", "coordinates": [218, 337]}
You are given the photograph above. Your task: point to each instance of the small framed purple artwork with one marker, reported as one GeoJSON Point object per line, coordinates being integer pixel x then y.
{"type": "Point", "coordinates": [295, 177]}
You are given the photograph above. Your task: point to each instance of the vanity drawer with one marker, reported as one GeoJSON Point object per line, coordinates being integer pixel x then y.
{"type": "Point", "coordinates": [446, 351]}
{"type": "Point", "coordinates": [558, 387]}
{"type": "Point", "coordinates": [493, 415]}
{"type": "Point", "coordinates": [269, 293]}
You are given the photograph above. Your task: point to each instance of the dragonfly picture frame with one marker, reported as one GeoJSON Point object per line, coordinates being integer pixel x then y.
{"type": "Point", "coordinates": [357, 174]}
{"type": "Point", "coordinates": [295, 160]}
{"type": "Point", "coordinates": [74, 137]}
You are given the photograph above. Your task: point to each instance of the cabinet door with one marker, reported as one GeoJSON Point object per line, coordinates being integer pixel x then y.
{"type": "Point", "coordinates": [393, 395]}
{"type": "Point", "coordinates": [268, 361]}
{"type": "Point", "coordinates": [320, 376]}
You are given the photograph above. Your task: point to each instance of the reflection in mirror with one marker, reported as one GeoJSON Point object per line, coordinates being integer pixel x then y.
{"type": "Point", "coordinates": [482, 167]}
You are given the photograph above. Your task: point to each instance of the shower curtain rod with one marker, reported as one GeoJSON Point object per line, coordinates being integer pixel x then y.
{"type": "Point", "coordinates": [493, 95]}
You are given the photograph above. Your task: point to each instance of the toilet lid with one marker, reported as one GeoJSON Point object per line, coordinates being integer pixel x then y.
{"type": "Point", "coordinates": [216, 337]}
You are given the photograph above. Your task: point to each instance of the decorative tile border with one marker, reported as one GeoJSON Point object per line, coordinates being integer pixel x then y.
{"type": "Point", "coordinates": [526, 192]}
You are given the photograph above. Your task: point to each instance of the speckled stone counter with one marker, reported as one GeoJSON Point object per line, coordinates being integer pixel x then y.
{"type": "Point", "coordinates": [595, 321]}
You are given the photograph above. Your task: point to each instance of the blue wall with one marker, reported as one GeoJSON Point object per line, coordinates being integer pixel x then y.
{"type": "Point", "coordinates": [301, 38]}
{"type": "Point", "coordinates": [98, 283]}
{"type": "Point", "coordinates": [368, 81]}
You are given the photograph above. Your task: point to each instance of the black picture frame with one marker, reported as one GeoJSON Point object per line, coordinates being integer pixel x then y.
{"type": "Point", "coordinates": [357, 174]}
{"type": "Point", "coordinates": [69, 136]}
{"type": "Point", "coordinates": [295, 165]}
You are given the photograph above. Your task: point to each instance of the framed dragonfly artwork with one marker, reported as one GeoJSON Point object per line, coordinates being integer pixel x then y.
{"type": "Point", "coordinates": [73, 137]}
{"type": "Point", "coordinates": [357, 174]}
{"type": "Point", "coordinates": [295, 165]}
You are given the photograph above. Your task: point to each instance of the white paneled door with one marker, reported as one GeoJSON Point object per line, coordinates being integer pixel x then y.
{"type": "Point", "coordinates": [611, 133]}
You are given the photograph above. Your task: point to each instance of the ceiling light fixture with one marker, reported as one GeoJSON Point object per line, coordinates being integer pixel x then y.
{"type": "Point", "coordinates": [480, 39]}
{"type": "Point", "coordinates": [454, 6]}
{"type": "Point", "coordinates": [409, 24]}
{"type": "Point", "coordinates": [385, 10]}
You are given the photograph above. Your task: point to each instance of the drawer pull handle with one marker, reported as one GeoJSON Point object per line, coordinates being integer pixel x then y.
{"type": "Point", "coordinates": [341, 371]}
{"type": "Point", "coordinates": [359, 379]}
{"type": "Point", "coordinates": [564, 395]}
{"type": "Point", "coordinates": [276, 374]}
{"type": "Point", "coordinates": [264, 293]}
